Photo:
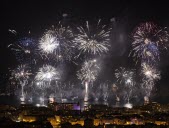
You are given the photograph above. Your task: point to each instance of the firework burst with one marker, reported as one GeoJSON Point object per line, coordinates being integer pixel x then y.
{"type": "Point", "coordinates": [124, 76]}
{"type": "Point", "coordinates": [150, 72]}
{"type": "Point", "coordinates": [58, 43]}
{"type": "Point", "coordinates": [88, 74]}
{"type": "Point", "coordinates": [93, 40]}
{"type": "Point", "coordinates": [151, 75]}
{"type": "Point", "coordinates": [148, 38]}
{"type": "Point", "coordinates": [89, 71]}
{"type": "Point", "coordinates": [45, 75]}
{"type": "Point", "coordinates": [25, 50]}
{"type": "Point", "coordinates": [147, 86]}
{"type": "Point", "coordinates": [21, 73]}
{"type": "Point", "coordinates": [48, 43]}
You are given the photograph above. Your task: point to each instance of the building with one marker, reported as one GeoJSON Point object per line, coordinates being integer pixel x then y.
{"type": "Point", "coordinates": [64, 106]}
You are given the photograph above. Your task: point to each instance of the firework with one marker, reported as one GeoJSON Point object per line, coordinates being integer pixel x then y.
{"type": "Point", "coordinates": [21, 73]}
{"type": "Point", "coordinates": [151, 75]}
{"type": "Point", "coordinates": [48, 43]}
{"type": "Point", "coordinates": [128, 105]}
{"type": "Point", "coordinates": [12, 31]}
{"type": "Point", "coordinates": [105, 89]}
{"type": "Point", "coordinates": [147, 86]}
{"type": "Point", "coordinates": [97, 92]}
{"type": "Point", "coordinates": [25, 50]}
{"type": "Point", "coordinates": [47, 73]}
{"type": "Point", "coordinates": [147, 39]}
{"type": "Point", "coordinates": [124, 76]}
{"type": "Point", "coordinates": [63, 90]}
{"type": "Point", "coordinates": [150, 72]}
{"type": "Point", "coordinates": [89, 71]}
{"type": "Point", "coordinates": [58, 43]}
{"type": "Point", "coordinates": [88, 74]}
{"type": "Point", "coordinates": [93, 40]}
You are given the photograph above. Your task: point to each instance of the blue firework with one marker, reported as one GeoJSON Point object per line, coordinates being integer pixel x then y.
{"type": "Point", "coordinates": [150, 53]}
{"type": "Point", "coordinates": [25, 50]}
{"type": "Point", "coordinates": [148, 39]}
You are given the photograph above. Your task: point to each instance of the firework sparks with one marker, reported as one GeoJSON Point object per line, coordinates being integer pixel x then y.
{"type": "Point", "coordinates": [57, 42]}
{"type": "Point", "coordinates": [124, 76]}
{"type": "Point", "coordinates": [150, 72]}
{"type": "Point", "coordinates": [47, 73]}
{"type": "Point", "coordinates": [89, 71]}
{"type": "Point", "coordinates": [25, 50]}
{"type": "Point", "coordinates": [12, 31]}
{"type": "Point", "coordinates": [21, 73]}
{"type": "Point", "coordinates": [128, 105]}
{"type": "Point", "coordinates": [87, 74]}
{"type": "Point", "coordinates": [93, 40]}
{"type": "Point", "coordinates": [147, 86]}
{"type": "Point", "coordinates": [147, 39]}
{"type": "Point", "coordinates": [48, 43]}
{"type": "Point", "coordinates": [105, 89]}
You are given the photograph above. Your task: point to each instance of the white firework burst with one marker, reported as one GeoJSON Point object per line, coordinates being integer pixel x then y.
{"type": "Point", "coordinates": [93, 40]}
{"type": "Point", "coordinates": [22, 72]}
{"type": "Point", "coordinates": [47, 73]}
{"type": "Point", "coordinates": [48, 43]}
{"type": "Point", "coordinates": [150, 76]}
{"type": "Point", "coordinates": [58, 43]}
{"type": "Point", "coordinates": [150, 72]}
{"type": "Point", "coordinates": [147, 86]}
{"type": "Point", "coordinates": [124, 76]}
{"type": "Point", "coordinates": [89, 71]}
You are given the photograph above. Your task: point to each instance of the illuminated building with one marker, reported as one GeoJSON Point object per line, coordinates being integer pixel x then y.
{"type": "Point", "coordinates": [64, 106]}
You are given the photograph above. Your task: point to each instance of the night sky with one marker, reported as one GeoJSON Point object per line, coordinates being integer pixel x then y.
{"type": "Point", "coordinates": [24, 16]}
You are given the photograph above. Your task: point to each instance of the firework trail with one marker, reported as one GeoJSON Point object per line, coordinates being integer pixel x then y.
{"type": "Point", "coordinates": [12, 31]}
{"type": "Point", "coordinates": [150, 72]}
{"type": "Point", "coordinates": [89, 71]}
{"type": "Point", "coordinates": [25, 50]}
{"type": "Point", "coordinates": [93, 40]}
{"type": "Point", "coordinates": [22, 74]}
{"type": "Point", "coordinates": [148, 38]}
{"type": "Point", "coordinates": [46, 74]}
{"type": "Point", "coordinates": [101, 92]}
{"type": "Point", "coordinates": [97, 93]}
{"type": "Point", "coordinates": [57, 43]}
{"type": "Point", "coordinates": [44, 77]}
{"type": "Point", "coordinates": [115, 91]}
{"type": "Point", "coordinates": [150, 76]}
{"type": "Point", "coordinates": [105, 89]}
{"type": "Point", "coordinates": [126, 77]}
{"type": "Point", "coordinates": [88, 74]}
{"type": "Point", "coordinates": [64, 91]}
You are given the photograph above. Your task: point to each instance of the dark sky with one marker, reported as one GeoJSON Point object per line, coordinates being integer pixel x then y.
{"type": "Point", "coordinates": [23, 16]}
